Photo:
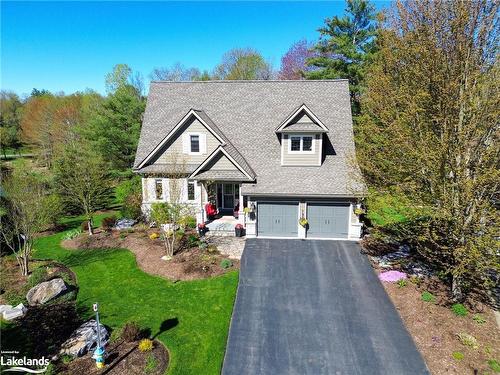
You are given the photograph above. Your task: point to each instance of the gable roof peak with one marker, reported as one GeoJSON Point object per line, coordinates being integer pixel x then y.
{"type": "Point", "coordinates": [302, 109]}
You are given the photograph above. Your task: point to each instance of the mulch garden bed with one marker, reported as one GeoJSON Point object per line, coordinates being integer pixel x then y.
{"type": "Point", "coordinates": [189, 263]}
{"type": "Point", "coordinates": [123, 358]}
{"type": "Point", "coordinates": [435, 327]}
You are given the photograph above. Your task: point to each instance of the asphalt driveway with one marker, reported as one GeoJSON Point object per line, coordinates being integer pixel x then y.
{"type": "Point", "coordinates": [314, 307]}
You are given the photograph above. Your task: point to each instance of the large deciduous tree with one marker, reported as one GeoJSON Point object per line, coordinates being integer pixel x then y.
{"type": "Point", "coordinates": [26, 208]}
{"type": "Point", "coordinates": [82, 180]}
{"type": "Point", "coordinates": [49, 121]}
{"type": "Point", "coordinates": [345, 46]}
{"type": "Point", "coordinates": [10, 120]}
{"type": "Point", "coordinates": [430, 132]}
{"type": "Point", "coordinates": [243, 64]}
{"type": "Point", "coordinates": [176, 72]}
{"type": "Point", "coordinates": [294, 61]}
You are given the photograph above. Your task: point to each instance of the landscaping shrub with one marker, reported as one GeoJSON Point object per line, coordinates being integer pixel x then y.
{"type": "Point", "coordinates": [458, 356]}
{"type": "Point", "coordinates": [189, 222]}
{"type": "Point", "coordinates": [131, 208]}
{"type": "Point", "coordinates": [129, 196]}
{"type": "Point", "coordinates": [494, 365]}
{"type": "Point", "coordinates": [146, 345]}
{"type": "Point", "coordinates": [468, 340]}
{"type": "Point", "coordinates": [428, 297]}
{"type": "Point", "coordinates": [131, 332]}
{"type": "Point", "coordinates": [192, 240]}
{"type": "Point", "coordinates": [108, 223]}
{"type": "Point", "coordinates": [226, 263]}
{"type": "Point", "coordinates": [401, 283]}
{"type": "Point", "coordinates": [72, 234]}
{"type": "Point", "coordinates": [459, 309]}
{"type": "Point", "coordinates": [478, 319]}
{"type": "Point", "coordinates": [154, 236]}
{"type": "Point", "coordinates": [212, 249]}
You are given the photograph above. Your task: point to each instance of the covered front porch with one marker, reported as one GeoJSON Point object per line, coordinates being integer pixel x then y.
{"type": "Point", "coordinates": [221, 205]}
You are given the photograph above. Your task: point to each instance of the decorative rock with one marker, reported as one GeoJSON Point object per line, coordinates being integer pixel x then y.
{"type": "Point", "coordinates": [124, 224]}
{"type": "Point", "coordinates": [5, 308]}
{"type": "Point", "coordinates": [13, 312]}
{"type": "Point", "coordinates": [45, 291]}
{"type": "Point", "coordinates": [166, 258]}
{"type": "Point", "coordinates": [392, 276]}
{"type": "Point", "coordinates": [84, 338]}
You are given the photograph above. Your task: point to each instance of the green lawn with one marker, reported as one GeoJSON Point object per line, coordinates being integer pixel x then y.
{"type": "Point", "coordinates": [201, 308]}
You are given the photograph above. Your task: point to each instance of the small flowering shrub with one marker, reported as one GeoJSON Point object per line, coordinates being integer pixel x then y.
{"type": "Point", "coordinates": [154, 236]}
{"type": "Point", "coordinates": [146, 345]}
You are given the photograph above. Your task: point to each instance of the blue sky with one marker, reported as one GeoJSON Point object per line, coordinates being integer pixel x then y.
{"type": "Point", "coordinates": [70, 46]}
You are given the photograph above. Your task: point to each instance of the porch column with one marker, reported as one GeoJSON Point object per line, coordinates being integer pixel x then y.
{"type": "Point", "coordinates": [241, 213]}
{"type": "Point", "coordinates": [200, 212]}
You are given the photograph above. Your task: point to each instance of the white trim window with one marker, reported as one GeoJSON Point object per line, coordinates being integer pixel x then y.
{"type": "Point", "coordinates": [301, 144]}
{"type": "Point", "coordinates": [158, 189]}
{"type": "Point", "coordinates": [194, 143]}
{"type": "Point", "coordinates": [191, 191]}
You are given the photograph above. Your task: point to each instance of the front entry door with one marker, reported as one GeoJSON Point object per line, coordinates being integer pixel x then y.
{"type": "Point", "coordinates": [228, 196]}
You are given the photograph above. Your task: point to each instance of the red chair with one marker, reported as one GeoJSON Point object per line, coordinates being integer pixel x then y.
{"type": "Point", "coordinates": [210, 210]}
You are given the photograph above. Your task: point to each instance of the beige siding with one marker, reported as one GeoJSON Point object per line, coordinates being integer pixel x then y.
{"type": "Point", "coordinates": [299, 158]}
{"type": "Point", "coordinates": [174, 147]}
{"type": "Point", "coordinates": [221, 164]}
{"type": "Point", "coordinates": [302, 117]}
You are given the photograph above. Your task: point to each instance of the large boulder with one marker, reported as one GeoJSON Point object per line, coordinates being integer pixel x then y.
{"type": "Point", "coordinates": [8, 312]}
{"type": "Point", "coordinates": [45, 291]}
{"type": "Point", "coordinates": [124, 224]}
{"type": "Point", "coordinates": [84, 338]}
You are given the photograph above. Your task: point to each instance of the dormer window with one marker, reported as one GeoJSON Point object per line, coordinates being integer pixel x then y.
{"type": "Point", "coordinates": [301, 143]}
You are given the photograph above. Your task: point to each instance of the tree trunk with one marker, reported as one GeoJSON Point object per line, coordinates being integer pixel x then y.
{"type": "Point", "coordinates": [89, 224]}
{"type": "Point", "coordinates": [456, 289]}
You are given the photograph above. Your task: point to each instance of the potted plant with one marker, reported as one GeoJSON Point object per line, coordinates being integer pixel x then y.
{"type": "Point", "coordinates": [238, 230]}
{"type": "Point", "coordinates": [303, 222]}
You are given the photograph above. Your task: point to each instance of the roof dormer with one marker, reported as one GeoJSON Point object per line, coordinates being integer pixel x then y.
{"type": "Point", "coordinates": [301, 136]}
{"type": "Point", "coordinates": [302, 120]}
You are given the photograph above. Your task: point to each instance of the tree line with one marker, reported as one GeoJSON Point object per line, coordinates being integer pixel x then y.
{"type": "Point", "coordinates": [424, 87]}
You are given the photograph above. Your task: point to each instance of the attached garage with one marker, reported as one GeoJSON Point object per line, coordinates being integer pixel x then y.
{"type": "Point", "coordinates": [328, 220]}
{"type": "Point", "coordinates": [277, 219]}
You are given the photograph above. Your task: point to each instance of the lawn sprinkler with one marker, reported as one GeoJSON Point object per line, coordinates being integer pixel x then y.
{"type": "Point", "coordinates": [99, 352]}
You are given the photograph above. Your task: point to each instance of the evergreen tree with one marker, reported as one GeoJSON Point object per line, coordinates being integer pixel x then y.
{"type": "Point", "coordinates": [345, 45]}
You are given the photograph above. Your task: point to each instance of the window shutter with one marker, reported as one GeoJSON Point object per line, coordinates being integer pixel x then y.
{"type": "Point", "coordinates": [186, 146]}
{"type": "Point", "coordinates": [203, 143]}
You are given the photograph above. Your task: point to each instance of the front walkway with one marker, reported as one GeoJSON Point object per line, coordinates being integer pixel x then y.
{"type": "Point", "coordinates": [315, 307]}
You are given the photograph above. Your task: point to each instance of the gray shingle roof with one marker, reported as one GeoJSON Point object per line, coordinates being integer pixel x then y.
{"type": "Point", "coordinates": [247, 114]}
{"type": "Point", "coordinates": [221, 176]}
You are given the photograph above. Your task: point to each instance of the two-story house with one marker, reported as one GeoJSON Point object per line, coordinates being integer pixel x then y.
{"type": "Point", "coordinates": [284, 149]}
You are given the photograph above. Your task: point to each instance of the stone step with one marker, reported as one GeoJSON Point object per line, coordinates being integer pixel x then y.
{"type": "Point", "coordinates": [221, 233]}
